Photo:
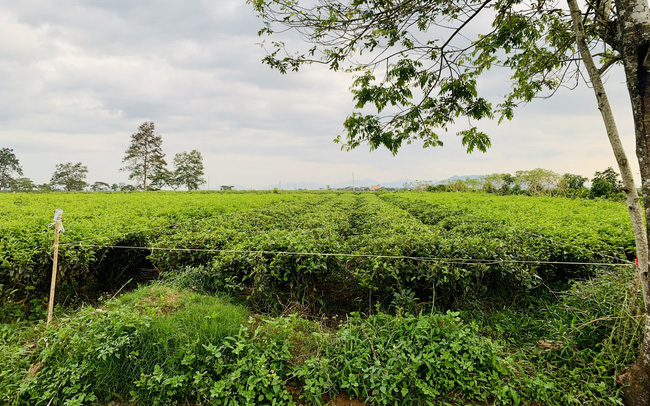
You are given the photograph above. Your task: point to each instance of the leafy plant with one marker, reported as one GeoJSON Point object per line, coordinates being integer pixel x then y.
{"type": "Point", "coordinates": [99, 354]}
{"type": "Point", "coordinates": [408, 359]}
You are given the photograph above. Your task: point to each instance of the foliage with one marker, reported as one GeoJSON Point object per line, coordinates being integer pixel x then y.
{"type": "Point", "coordinates": [9, 165]}
{"type": "Point", "coordinates": [321, 250]}
{"type": "Point", "coordinates": [100, 187]}
{"type": "Point", "coordinates": [537, 181]}
{"type": "Point", "coordinates": [144, 157]}
{"type": "Point", "coordinates": [22, 185]}
{"type": "Point", "coordinates": [343, 251]}
{"type": "Point", "coordinates": [122, 187]}
{"type": "Point", "coordinates": [161, 345]}
{"type": "Point", "coordinates": [99, 354]}
{"type": "Point", "coordinates": [72, 177]}
{"type": "Point", "coordinates": [96, 225]}
{"type": "Point", "coordinates": [606, 183]}
{"type": "Point", "coordinates": [419, 64]}
{"type": "Point", "coordinates": [188, 170]}
{"type": "Point", "coordinates": [572, 181]}
{"type": "Point", "coordinates": [154, 346]}
{"type": "Point", "coordinates": [497, 183]}
{"type": "Point", "coordinates": [161, 177]}
{"type": "Point", "coordinates": [409, 360]}
{"type": "Point", "coordinates": [578, 340]}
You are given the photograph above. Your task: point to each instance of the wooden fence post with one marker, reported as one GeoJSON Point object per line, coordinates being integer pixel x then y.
{"type": "Point", "coordinates": [58, 214]}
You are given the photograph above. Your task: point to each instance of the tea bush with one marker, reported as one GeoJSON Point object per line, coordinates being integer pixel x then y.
{"type": "Point", "coordinates": [340, 251]}
{"type": "Point", "coordinates": [97, 220]}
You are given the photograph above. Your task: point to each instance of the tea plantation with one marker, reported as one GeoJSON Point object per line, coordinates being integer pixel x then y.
{"type": "Point", "coordinates": [257, 298]}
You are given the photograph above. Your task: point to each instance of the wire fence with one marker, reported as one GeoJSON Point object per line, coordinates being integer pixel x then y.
{"type": "Point", "coordinates": [457, 261]}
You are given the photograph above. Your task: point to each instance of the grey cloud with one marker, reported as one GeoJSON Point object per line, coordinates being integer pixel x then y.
{"type": "Point", "coordinates": [78, 77]}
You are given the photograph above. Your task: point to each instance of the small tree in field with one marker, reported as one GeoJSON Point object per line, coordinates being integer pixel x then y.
{"type": "Point", "coordinates": [537, 181]}
{"type": "Point", "coordinates": [100, 187]}
{"type": "Point", "coordinates": [606, 183]}
{"type": "Point", "coordinates": [144, 157]}
{"type": "Point", "coordinates": [9, 165]}
{"type": "Point", "coordinates": [572, 181]}
{"type": "Point", "coordinates": [72, 177]}
{"type": "Point", "coordinates": [22, 185]}
{"type": "Point", "coordinates": [188, 169]}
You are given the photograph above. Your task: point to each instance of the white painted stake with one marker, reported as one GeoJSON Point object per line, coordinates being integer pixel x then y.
{"type": "Point", "coordinates": [58, 214]}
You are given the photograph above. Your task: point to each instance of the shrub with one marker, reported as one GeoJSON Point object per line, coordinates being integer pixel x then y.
{"type": "Point", "coordinates": [408, 360]}
{"type": "Point", "coordinates": [99, 354]}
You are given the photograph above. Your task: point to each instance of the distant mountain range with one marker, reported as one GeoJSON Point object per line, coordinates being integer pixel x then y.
{"type": "Point", "coordinates": [338, 185]}
{"type": "Point", "coordinates": [358, 183]}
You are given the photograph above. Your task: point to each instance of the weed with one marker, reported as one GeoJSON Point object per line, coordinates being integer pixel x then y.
{"type": "Point", "coordinates": [99, 354]}
{"type": "Point", "coordinates": [406, 359]}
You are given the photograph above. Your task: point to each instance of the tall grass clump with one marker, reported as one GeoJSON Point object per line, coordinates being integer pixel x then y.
{"type": "Point", "coordinates": [572, 345]}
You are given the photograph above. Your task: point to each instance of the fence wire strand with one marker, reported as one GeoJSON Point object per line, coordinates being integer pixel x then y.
{"type": "Point", "coordinates": [459, 261]}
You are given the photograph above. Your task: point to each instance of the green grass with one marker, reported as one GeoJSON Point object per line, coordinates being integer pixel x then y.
{"type": "Point", "coordinates": [98, 353]}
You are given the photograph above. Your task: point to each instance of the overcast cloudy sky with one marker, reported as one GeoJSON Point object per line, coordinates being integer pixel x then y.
{"type": "Point", "coordinates": [78, 77]}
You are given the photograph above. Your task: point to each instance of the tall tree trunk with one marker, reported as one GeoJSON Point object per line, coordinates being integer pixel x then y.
{"type": "Point", "coordinates": [634, 32]}
{"type": "Point", "coordinates": [144, 183]}
{"type": "Point", "coordinates": [633, 26]}
{"type": "Point", "coordinates": [633, 36]}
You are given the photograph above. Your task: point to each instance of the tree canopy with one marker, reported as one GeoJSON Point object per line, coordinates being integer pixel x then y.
{"type": "Point", "coordinates": [72, 177]}
{"type": "Point", "coordinates": [418, 63]}
{"type": "Point", "coordinates": [22, 185]}
{"type": "Point", "coordinates": [188, 170]}
{"type": "Point", "coordinates": [572, 181]}
{"type": "Point", "coordinates": [100, 187]}
{"type": "Point", "coordinates": [605, 183]}
{"type": "Point", "coordinates": [9, 167]}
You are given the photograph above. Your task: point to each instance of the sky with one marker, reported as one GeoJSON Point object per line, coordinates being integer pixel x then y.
{"type": "Point", "coordinates": [78, 77]}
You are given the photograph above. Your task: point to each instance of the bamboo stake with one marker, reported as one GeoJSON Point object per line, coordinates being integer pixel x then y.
{"type": "Point", "coordinates": [57, 227]}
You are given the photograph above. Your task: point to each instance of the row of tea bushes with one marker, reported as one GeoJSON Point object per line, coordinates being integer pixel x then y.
{"type": "Point", "coordinates": [346, 250]}
{"type": "Point", "coordinates": [98, 221]}
{"type": "Point", "coordinates": [342, 250]}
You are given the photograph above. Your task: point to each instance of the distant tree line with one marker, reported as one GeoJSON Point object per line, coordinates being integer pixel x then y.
{"type": "Point", "coordinates": [144, 161]}
{"type": "Point", "coordinates": [539, 182]}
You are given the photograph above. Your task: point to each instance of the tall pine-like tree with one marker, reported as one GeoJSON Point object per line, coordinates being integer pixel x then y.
{"type": "Point", "coordinates": [144, 157]}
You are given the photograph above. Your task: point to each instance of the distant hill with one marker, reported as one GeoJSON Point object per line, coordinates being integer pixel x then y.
{"type": "Point", "coordinates": [454, 178]}
{"type": "Point", "coordinates": [396, 184]}
{"type": "Point", "coordinates": [295, 186]}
